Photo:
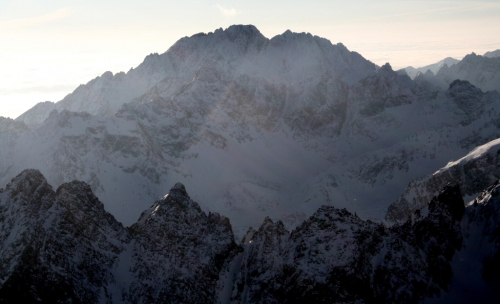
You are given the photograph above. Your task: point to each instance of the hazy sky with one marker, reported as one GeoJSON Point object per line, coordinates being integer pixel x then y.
{"type": "Point", "coordinates": [48, 48]}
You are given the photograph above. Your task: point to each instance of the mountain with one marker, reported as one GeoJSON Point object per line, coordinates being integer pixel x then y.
{"type": "Point", "coordinates": [334, 256]}
{"type": "Point", "coordinates": [56, 246]}
{"type": "Point", "coordinates": [10, 130]}
{"type": "Point", "coordinates": [105, 94]}
{"type": "Point", "coordinates": [62, 246]}
{"type": "Point", "coordinates": [430, 81]}
{"type": "Point", "coordinates": [481, 71]}
{"type": "Point", "coordinates": [473, 172]}
{"type": "Point", "coordinates": [256, 127]}
{"type": "Point", "coordinates": [179, 252]}
{"type": "Point", "coordinates": [434, 68]}
{"type": "Point", "coordinates": [37, 114]}
{"type": "Point", "coordinates": [492, 54]}
{"type": "Point", "coordinates": [195, 57]}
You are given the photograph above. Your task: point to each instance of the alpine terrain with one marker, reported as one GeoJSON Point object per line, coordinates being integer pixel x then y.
{"type": "Point", "coordinates": [62, 247]}
{"type": "Point", "coordinates": [361, 183]}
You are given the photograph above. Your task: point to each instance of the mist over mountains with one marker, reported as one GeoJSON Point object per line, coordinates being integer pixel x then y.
{"type": "Point", "coordinates": [291, 130]}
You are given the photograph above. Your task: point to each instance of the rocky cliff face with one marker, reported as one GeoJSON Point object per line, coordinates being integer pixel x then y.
{"type": "Point", "coordinates": [62, 246]}
{"type": "Point", "coordinates": [437, 233]}
{"type": "Point", "coordinates": [336, 257]}
{"type": "Point", "coordinates": [480, 257]}
{"type": "Point", "coordinates": [179, 251]}
{"type": "Point", "coordinates": [56, 246]}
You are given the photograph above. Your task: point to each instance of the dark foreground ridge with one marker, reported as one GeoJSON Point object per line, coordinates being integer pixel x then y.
{"type": "Point", "coordinates": [63, 247]}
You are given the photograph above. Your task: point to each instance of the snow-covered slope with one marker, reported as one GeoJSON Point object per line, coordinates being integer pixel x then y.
{"type": "Point", "coordinates": [473, 172]}
{"type": "Point", "coordinates": [105, 94]}
{"type": "Point", "coordinates": [37, 114]}
{"type": "Point", "coordinates": [434, 68]}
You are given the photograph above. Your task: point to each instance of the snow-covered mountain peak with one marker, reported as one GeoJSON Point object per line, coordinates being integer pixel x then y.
{"type": "Point", "coordinates": [76, 192]}
{"type": "Point", "coordinates": [179, 188]}
{"type": "Point", "coordinates": [163, 211]}
{"type": "Point", "coordinates": [218, 57]}
{"type": "Point", "coordinates": [179, 192]}
{"type": "Point", "coordinates": [459, 87]}
{"type": "Point", "coordinates": [235, 31]}
{"type": "Point", "coordinates": [448, 61]}
{"type": "Point", "coordinates": [232, 43]}
{"type": "Point", "coordinates": [28, 181]}
{"type": "Point", "coordinates": [268, 220]}
{"type": "Point", "coordinates": [267, 225]}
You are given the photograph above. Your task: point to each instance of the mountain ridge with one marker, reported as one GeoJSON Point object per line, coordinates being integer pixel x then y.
{"type": "Point", "coordinates": [75, 251]}
{"type": "Point", "coordinates": [434, 68]}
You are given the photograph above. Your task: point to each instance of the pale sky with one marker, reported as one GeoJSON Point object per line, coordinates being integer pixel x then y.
{"type": "Point", "coordinates": [48, 48]}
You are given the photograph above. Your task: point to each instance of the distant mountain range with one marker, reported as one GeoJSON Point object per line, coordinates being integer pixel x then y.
{"type": "Point", "coordinates": [435, 67]}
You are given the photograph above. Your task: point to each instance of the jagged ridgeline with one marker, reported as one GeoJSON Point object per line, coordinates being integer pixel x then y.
{"type": "Point", "coordinates": [63, 247]}
{"type": "Point", "coordinates": [257, 127]}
